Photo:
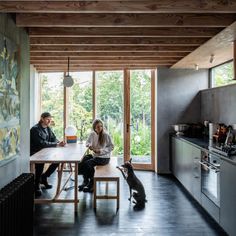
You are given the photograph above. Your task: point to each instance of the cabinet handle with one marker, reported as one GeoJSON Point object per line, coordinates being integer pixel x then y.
{"type": "Point", "coordinates": [212, 167]}
{"type": "Point", "coordinates": [202, 163]}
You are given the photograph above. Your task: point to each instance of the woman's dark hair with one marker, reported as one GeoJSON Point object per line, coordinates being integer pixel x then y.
{"type": "Point", "coordinates": [101, 138]}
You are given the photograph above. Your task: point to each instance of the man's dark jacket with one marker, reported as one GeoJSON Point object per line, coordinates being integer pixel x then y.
{"type": "Point", "coordinates": [41, 138]}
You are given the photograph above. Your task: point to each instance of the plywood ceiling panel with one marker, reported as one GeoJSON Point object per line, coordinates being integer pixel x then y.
{"type": "Point", "coordinates": [220, 47]}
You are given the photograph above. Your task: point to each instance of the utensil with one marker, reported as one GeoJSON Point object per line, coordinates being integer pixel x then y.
{"type": "Point", "coordinates": [180, 128]}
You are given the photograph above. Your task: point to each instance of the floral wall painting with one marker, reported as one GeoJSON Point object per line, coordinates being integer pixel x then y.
{"type": "Point", "coordinates": [9, 142]}
{"type": "Point", "coordinates": [9, 100]}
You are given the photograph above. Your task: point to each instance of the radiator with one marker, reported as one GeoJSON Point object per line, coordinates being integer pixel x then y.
{"type": "Point", "coordinates": [16, 207]}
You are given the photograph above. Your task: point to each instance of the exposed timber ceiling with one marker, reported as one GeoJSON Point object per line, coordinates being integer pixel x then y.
{"type": "Point", "coordinates": [112, 34]}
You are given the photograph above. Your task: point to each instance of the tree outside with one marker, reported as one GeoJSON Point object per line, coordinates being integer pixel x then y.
{"type": "Point", "coordinates": [140, 99]}
{"type": "Point", "coordinates": [223, 75]}
{"type": "Point", "coordinates": [80, 104]}
{"type": "Point", "coordinates": [52, 100]}
{"type": "Point", "coordinates": [110, 105]}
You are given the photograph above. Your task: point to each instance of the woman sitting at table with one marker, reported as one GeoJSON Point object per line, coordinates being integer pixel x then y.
{"type": "Point", "coordinates": [100, 143]}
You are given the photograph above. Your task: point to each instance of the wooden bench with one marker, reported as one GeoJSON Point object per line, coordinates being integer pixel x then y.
{"type": "Point", "coordinates": [107, 173]}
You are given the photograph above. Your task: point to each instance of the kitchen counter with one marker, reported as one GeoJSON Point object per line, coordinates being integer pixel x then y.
{"type": "Point", "coordinates": [203, 144]}
{"type": "Point", "coordinates": [231, 159]}
{"type": "Point", "coordinates": [198, 142]}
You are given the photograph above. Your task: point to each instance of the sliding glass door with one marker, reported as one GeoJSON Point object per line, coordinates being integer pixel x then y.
{"type": "Point", "coordinates": [140, 118]}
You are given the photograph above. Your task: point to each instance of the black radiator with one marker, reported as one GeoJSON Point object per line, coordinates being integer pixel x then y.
{"type": "Point", "coordinates": [16, 207]}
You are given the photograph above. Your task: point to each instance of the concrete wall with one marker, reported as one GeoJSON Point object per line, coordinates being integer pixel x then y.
{"type": "Point", "coordinates": [178, 101]}
{"type": "Point", "coordinates": [219, 104]}
{"type": "Point", "coordinates": [21, 164]}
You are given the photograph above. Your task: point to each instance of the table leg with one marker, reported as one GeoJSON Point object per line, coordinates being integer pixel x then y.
{"type": "Point", "coordinates": [76, 186]}
{"type": "Point", "coordinates": [32, 168]}
{"type": "Point", "coordinates": [95, 194]}
{"type": "Point", "coordinates": [106, 191]}
{"type": "Point", "coordinates": [118, 193]}
{"type": "Point", "coordinates": [60, 170]}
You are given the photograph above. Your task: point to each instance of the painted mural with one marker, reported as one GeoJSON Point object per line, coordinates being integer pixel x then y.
{"type": "Point", "coordinates": [9, 100]}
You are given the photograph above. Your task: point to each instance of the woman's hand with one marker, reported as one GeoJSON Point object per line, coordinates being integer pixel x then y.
{"type": "Point", "coordinates": [97, 151]}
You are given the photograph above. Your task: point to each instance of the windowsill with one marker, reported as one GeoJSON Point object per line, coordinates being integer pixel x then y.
{"type": "Point", "coordinates": [219, 87]}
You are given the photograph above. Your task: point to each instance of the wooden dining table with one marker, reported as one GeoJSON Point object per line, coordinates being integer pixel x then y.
{"type": "Point", "coordinates": [71, 154]}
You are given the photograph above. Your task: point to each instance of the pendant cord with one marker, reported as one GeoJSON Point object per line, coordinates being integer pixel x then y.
{"type": "Point", "coordinates": [68, 66]}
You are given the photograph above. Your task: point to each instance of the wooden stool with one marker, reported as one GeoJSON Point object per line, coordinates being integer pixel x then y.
{"type": "Point", "coordinates": [107, 173]}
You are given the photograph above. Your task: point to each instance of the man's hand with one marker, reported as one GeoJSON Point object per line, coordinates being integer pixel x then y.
{"type": "Point", "coordinates": [61, 144]}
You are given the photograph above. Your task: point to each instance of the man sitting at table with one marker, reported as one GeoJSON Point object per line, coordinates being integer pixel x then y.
{"type": "Point", "coordinates": [41, 136]}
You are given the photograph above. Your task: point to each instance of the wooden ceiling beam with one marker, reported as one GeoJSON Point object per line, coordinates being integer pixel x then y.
{"type": "Point", "coordinates": [89, 67]}
{"type": "Point", "coordinates": [108, 62]}
{"type": "Point", "coordinates": [148, 6]}
{"type": "Point", "coordinates": [101, 65]}
{"type": "Point", "coordinates": [117, 41]}
{"type": "Point", "coordinates": [100, 68]}
{"type": "Point", "coordinates": [94, 58]}
{"type": "Point", "coordinates": [107, 54]}
{"type": "Point", "coordinates": [125, 20]}
{"type": "Point", "coordinates": [122, 32]}
{"type": "Point", "coordinates": [112, 48]}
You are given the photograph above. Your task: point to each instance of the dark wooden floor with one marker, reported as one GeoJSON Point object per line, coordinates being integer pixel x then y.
{"type": "Point", "coordinates": [169, 211]}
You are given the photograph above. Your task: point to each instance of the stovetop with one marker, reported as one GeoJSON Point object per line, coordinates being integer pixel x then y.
{"type": "Point", "coordinates": [226, 151]}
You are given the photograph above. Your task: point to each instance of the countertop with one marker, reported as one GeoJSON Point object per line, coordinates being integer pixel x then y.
{"type": "Point", "coordinates": [203, 144]}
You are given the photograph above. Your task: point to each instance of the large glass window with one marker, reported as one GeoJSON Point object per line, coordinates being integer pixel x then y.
{"type": "Point", "coordinates": [80, 104]}
{"type": "Point", "coordinates": [107, 92]}
{"type": "Point", "coordinates": [222, 75]}
{"type": "Point", "coordinates": [109, 97]}
{"type": "Point", "coordinates": [52, 100]}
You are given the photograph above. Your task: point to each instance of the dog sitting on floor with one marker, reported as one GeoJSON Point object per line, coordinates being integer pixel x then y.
{"type": "Point", "coordinates": [135, 186]}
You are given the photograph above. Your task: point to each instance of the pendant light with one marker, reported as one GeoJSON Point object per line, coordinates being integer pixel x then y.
{"type": "Point", "coordinates": [68, 81]}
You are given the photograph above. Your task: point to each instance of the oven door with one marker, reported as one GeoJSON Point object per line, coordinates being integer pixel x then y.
{"type": "Point", "coordinates": [210, 177]}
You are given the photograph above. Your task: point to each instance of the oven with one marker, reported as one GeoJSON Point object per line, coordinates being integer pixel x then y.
{"type": "Point", "coordinates": [210, 176]}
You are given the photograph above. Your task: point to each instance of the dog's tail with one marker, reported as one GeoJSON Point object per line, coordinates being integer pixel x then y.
{"type": "Point", "coordinates": [121, 172]}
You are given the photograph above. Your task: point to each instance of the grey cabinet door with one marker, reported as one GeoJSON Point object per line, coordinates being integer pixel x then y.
{"type": "Point", "coordinates": [196, 174]}
{"type": "Point", "coordinates": [186, 163]}
{"type": "Point", "coordinates": [186, 167]}
{"type": "Point", "coordinates": [177, 153]}
{"type": "Point", "coordinates": [228, 197]}
{"type": "Point", "coordinates": [173, 155]}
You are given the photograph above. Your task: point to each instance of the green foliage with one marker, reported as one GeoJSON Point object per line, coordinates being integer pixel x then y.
{"type": "Point", "coordinates": [223, 75]}
{"type": "Point", "coordinates": [80, 109]}
{"type": "Point", "coordinates": [118, 142]}
{"type": "Point", "coordinates": [141, 141]}
{"type": "Point", "coordinates": [52, 101]}
{"type": "Point", "coordinates": [140, 88]}
{"type": "Point", "coordinates": [110, 95]}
